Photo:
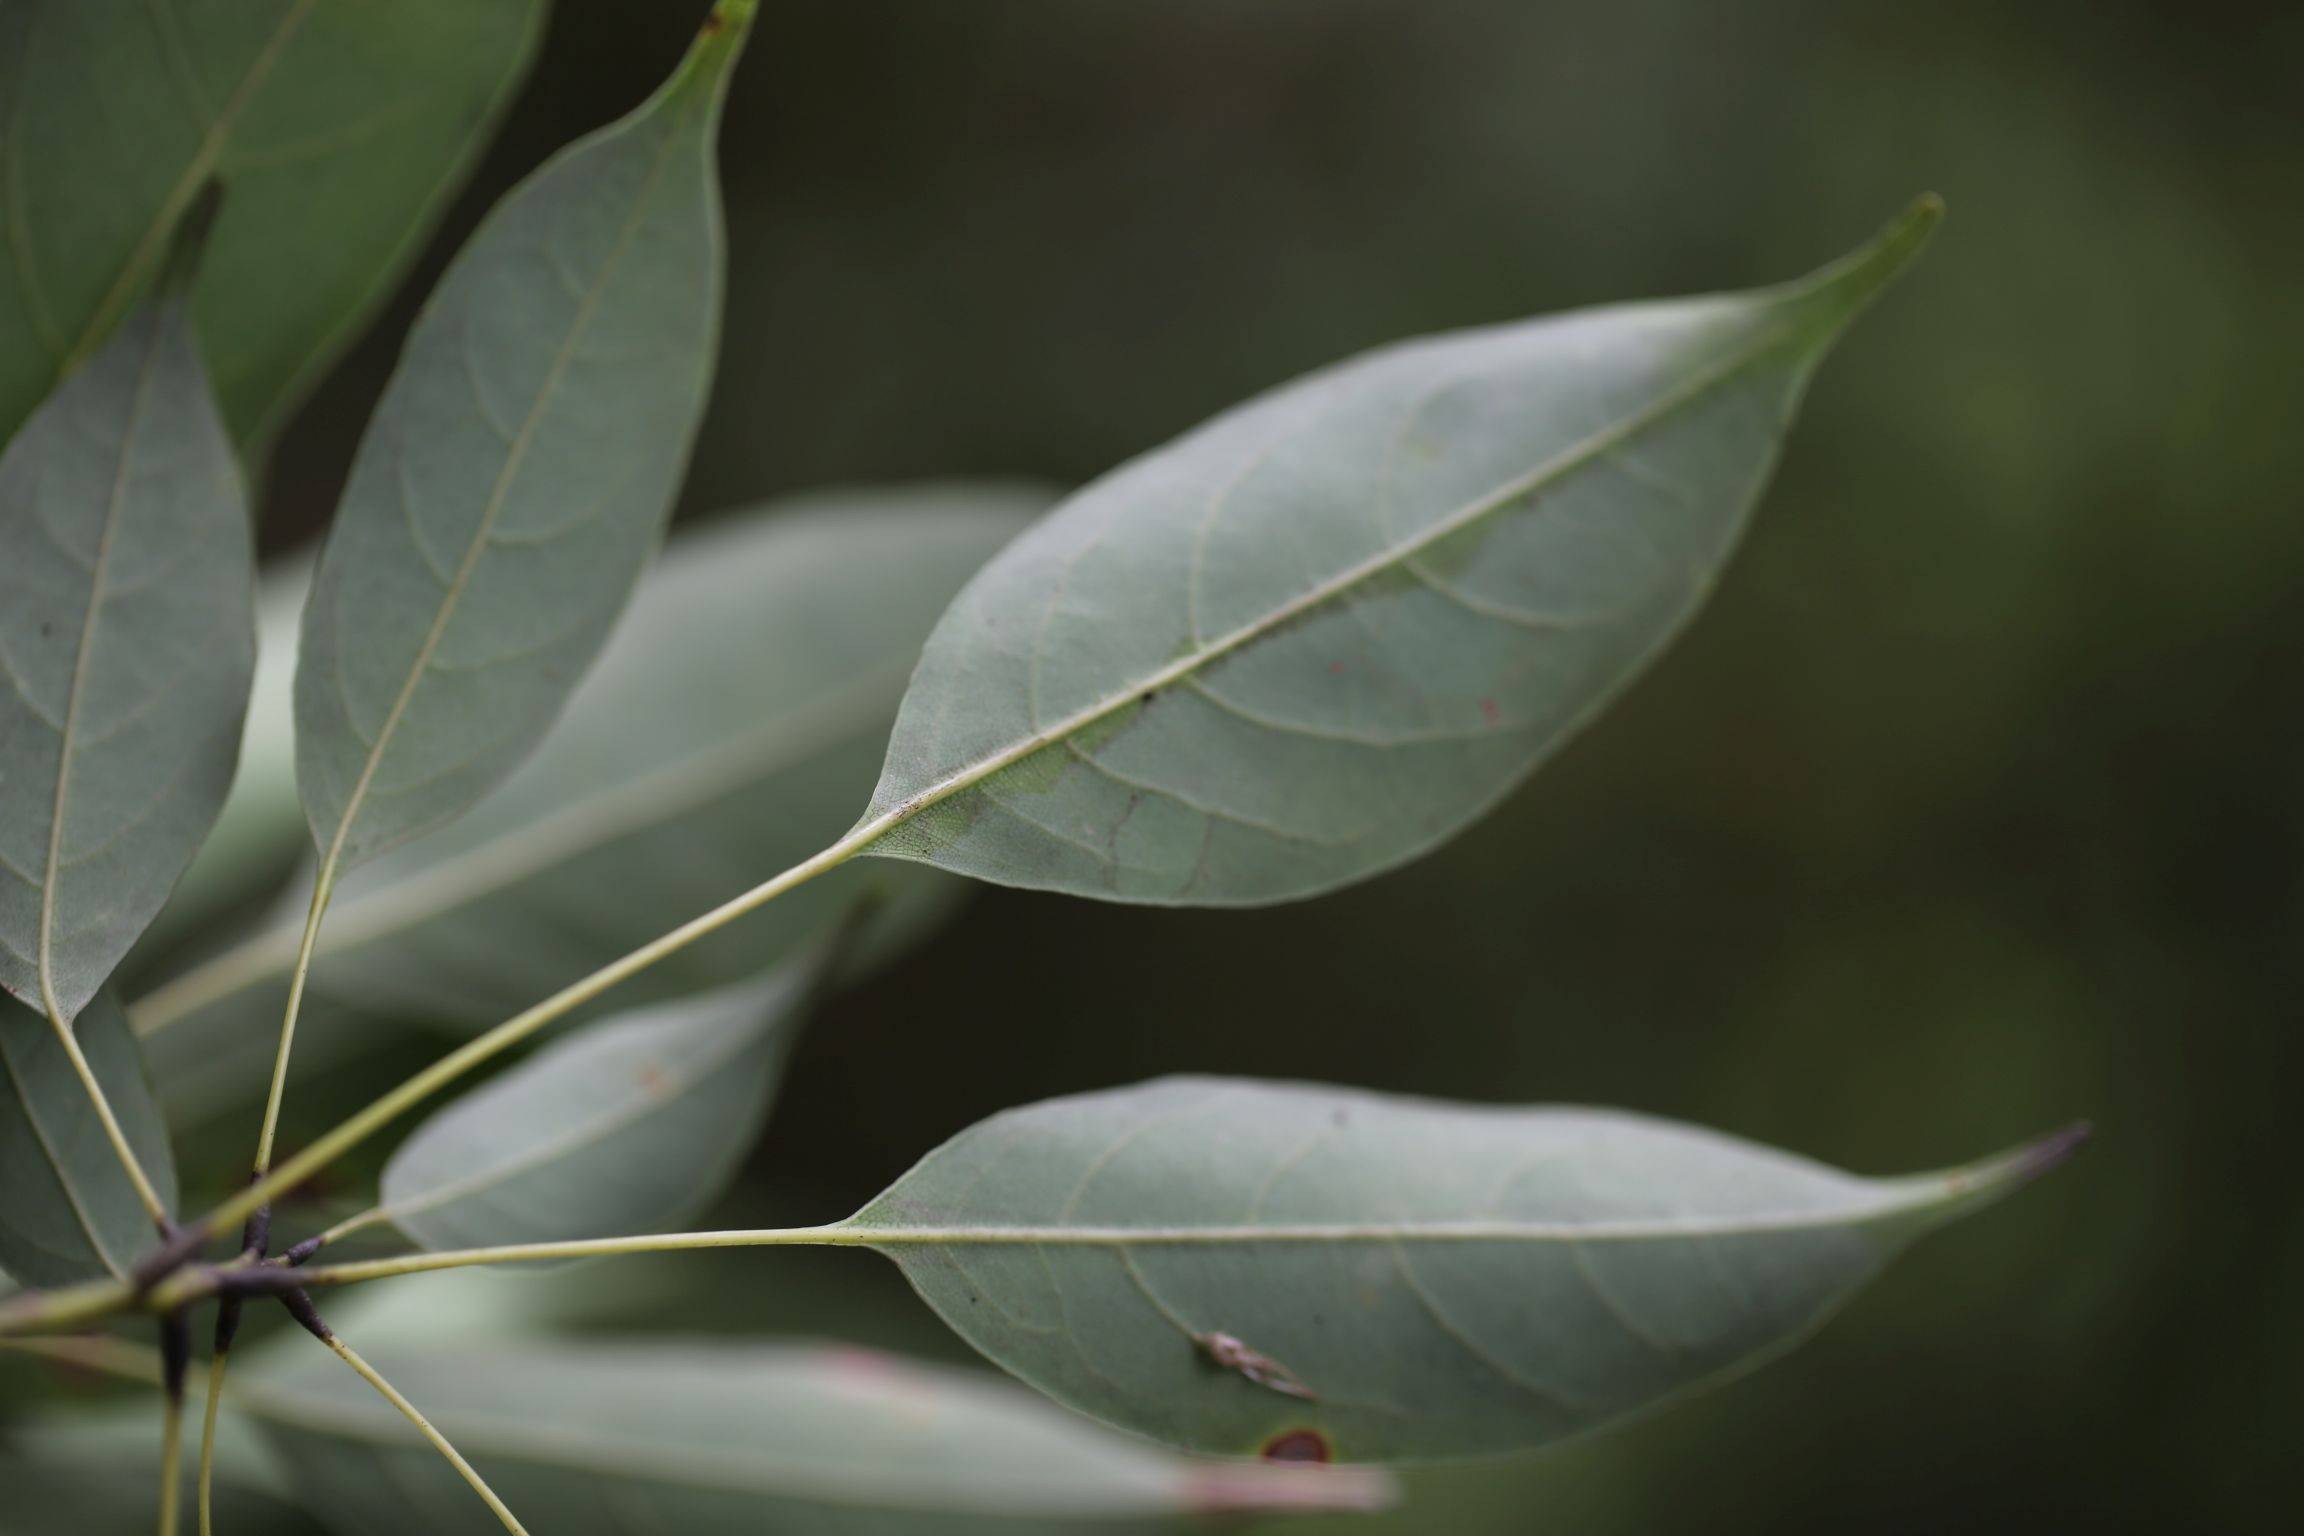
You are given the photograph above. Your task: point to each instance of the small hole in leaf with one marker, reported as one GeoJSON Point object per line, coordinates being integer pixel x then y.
{"type": "Point", "coordinates": [1299, 1445]}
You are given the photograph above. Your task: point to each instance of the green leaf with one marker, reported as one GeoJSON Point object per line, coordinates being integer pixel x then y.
{"type": "Point", "coordinates": [339, 126]}
{"type": "Point", "coordinates": [67, 1210]}
{"type": "Point", "coordinates": [729, 727]}
{"type": "Point", "coordinates": [1237, 1266]}
{"type": "Point", "coordinates": [1324, 632]}
{"type": "Point", "coordinates": [717, 1436]}
{"type": "Point", "coordinates": [126, 638]}
{"type": "Point", "coordinates": [631, 1124]}
{"type": "Point", "coordinates": [91, 1474]}
{"type": "Point", "coordinates": [259, 831]}
{"type": "Point", "coordinates": [516, 475]}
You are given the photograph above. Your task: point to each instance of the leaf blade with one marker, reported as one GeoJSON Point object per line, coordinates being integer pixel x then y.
{"type": "Point", "coordinates": [127, 637]}
{"type": "Point", "coordinates": [561, 364]}
{"type": "Point", "coordinates": [67, 1210]}
{"type": "Point", "coordinates": [630, 1124]}
{"type": "Point", "coordinates": [341, 129]}
{"type": "Point", "coordinates": [731, 1437]}
{"type": "Point", "coordinates": [1405, 1261]}
{"type": "Point", "coordinates": [1325, 631]}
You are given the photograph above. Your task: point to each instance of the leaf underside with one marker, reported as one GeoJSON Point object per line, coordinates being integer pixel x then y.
{"type": "Point", "coordinates": [631, 1124]}
{"type": "Point", "coordinates": [1322, 633]}
{"type": "Point", "coordinates": [127, 638]}
{"type": "Point", "coordinates": [516, 476]}
{"type": "Point", "coordinates": [1401, 1278]}
{"type": "Point", "coordinates": [67, 1211]}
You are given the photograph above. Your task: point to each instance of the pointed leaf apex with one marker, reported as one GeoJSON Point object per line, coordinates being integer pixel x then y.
{"type": "Point", "coordinates": [1842, 289]}
{"type": "Point", "coordinates": [719, 42]}
{"type": "Point", "coordinates": [1967, 1189]}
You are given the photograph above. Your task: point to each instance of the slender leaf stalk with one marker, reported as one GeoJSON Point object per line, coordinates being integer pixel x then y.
{"type": "Point", "coordinates": [146, 1195]}
{"type": "Point", "coordinates": [64, 1308]}
{"type": "Point", "coordinates": [171, 1460]}
{"type": "Point", "coordinates": [321, 887]}
{"type": "Point", "coordinates": [408, 1410]}
{"type": "Point", "coordinates": [351, 1224]}
{"type": "Point", "coordinates": [216, 1366]}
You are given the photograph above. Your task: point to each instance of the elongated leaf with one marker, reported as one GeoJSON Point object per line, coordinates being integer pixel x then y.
{"type": "Point", "coordinates": [127, 637]}
{"type": "Point", "coordinates": [339, 126]}
{"type": "Point", "coordinates": [67, 1210]}
{"type": "Point", "coordinates": [631, 1124]}
{"type": "Point", "coordinates": [1323, 632]}
{"type": "Point", "coordinates": [91, 1474]}
{"type": "Point", "coordinates": [717, 1436]}
{"type": "Point", "coordinates": [516, 476]}
{"type": "Point", "coordinates": [1232, 1266]}
{"type": "Point", "coordinates": [729, 727]}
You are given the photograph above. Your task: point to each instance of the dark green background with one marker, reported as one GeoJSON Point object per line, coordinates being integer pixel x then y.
{"type": "Point", "coordinates": [1968, 808]}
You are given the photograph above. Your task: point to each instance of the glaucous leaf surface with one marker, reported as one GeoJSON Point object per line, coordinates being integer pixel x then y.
{"type": "Point", "coordinates": [127, 636]}
{"type": "Point", "coordinates": [1239, 1266]}
{"type": "Point", "coordinates": [1325, 631]}
{"type": "Point", "coordinates": [604, 1439]}
{"type": "Point", "coordinates": [339, 128]}
{"type": "Point", "coordinates": [259, 830]}
{"type": "Point", "coordinates": [67, 1211]}
{"type": "Point", "coordinates": [516, 475]}
{"type": "Point", "coordinates": [737, 713]}
{"type": "Point", "coordinates": [630, 1124]}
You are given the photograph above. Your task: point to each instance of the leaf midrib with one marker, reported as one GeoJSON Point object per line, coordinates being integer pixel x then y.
{"type": "Point", "coordinates": [51, 877]}
{"type": "Point", "coordinates": [1563, 463]}
{"type": "Point", "coordinates": [868, 1234]}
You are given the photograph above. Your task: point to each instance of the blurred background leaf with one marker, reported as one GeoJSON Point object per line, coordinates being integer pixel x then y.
{"type": "Point", "coordinates": [339, 129]}
{"type": "Point", "coordinates": [701, 1436]}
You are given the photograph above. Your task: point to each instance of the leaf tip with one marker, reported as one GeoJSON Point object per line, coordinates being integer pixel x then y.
{"type": "Point", "coordinates": [2046, 1153]}
{"type": "Point", "coordinates": [1983, 1182]}
{"type": "Point", "coordinates": [718, 43]}
{"type": "Point", "coordinates": [1845, 287]}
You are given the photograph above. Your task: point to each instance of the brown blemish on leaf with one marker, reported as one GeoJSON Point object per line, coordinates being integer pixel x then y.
{"type": "Point", "coordinates": [1298, 1445]}
{"type": "Point", "coordinates": [1489, 712]}
{"type": "Point", "coordinates": [1261, 1369]}
{"type": "Point", "coordinates": [653, 1081]}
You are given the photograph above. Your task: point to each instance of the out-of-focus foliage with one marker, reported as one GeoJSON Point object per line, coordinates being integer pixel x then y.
{"type": "Point", "coordinates": [1968, 807]}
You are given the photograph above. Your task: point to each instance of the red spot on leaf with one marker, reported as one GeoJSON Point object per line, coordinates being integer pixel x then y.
{"type": "Point", "coordinates": [1489, 712]}
{"type": "Point", "coordinates": [1335, 669]}
{"type": "Point", "coordinates": [1299, 1445]}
